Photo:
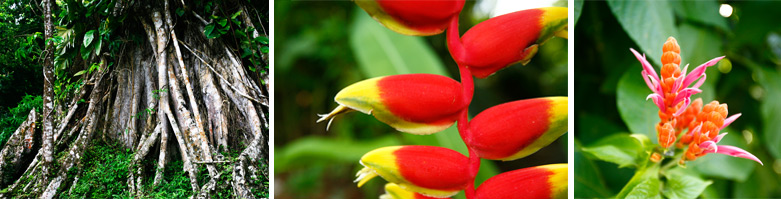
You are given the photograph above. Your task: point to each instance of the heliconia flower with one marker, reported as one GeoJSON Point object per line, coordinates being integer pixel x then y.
{"type": "Point", "coordinates": [394, 191]}
{"type": "Point", "coordinates": [412, 103]}
{"type": "Point", "coordinates": [511, 38]}
{"type": "Point", "coordinates": [428, 170]}
{"type": "Point", "coordinates": [517, 129]}
{"type": "Point", "coordinates": [547, 181]}
{"type": "Point", "coordinates": [413, 17]}
{"type": "Point", "coordinates": [704, 138]}
{"type": "Point", "coordinates": [672, 87]}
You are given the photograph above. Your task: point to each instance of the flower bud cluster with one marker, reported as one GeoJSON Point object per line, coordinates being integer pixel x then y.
{"type": "Point", "coordinates": [425, 104]}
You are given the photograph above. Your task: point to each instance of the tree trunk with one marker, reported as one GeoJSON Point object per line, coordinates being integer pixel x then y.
{"type": "Point", "coordinates": [48, 93]}
{"type": "Point", "coordinates": [177, 84]}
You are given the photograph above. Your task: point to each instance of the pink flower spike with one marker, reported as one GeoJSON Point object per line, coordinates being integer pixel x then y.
{"type": "Point", "coordinates": [686, 102]}
{"type": "Point", "coordinates": [699, 71]}
{"type": "Point", "coordinates": [719, 137]}
{"type": "Point", "coordinates": [679, 81]}
{"type": "Point", "coordinates": [646, 66]}
{"type": "Point", "coordinates": [685, 94]}
{"type": "Point", "coordinates": [709, 147]}
{"type": "Point", "coordinates": [737, 152]}
{"type": "Point", "coordinates": [695, 130]}
{"type": "Point", "coordinates": [651, 83]}
{"type": "Point", "coordinates": [658, 100]}
{"type": "Point", "coordinates": [729, 120]}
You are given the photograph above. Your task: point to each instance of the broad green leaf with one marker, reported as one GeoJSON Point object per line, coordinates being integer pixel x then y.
{"type": "Point", "coordinates": [236, 14]}
{"type": "Point", "coordinates": [771, 110]}
{"type": "Point", "coordinates": [681, 183]}
{"type": "Point", "coordinates": [381, 52]}
{"type": "Point", "coordinates": [763, 183]}
{"type": "Point", "coordinates": [640, 115]}
{"type": "Point", "coordinates": [264, 49]}
{"type": "Point", "coordinates": [644, 184]}
{"type": "Point", "coordinates": [80, 73]}
{"type": "Point", "coordinates": [724, 166]}
{"type": "Point", "coordinates": [98, 46]}
{"type": "Point", "coordinates": [208, 30]}
{"type": "Point", "coordinates": [261, 39]}
{"type": "Point", "coordinates": [648, 23]}
{"type": "Point", "coordinates": [703, 11]}
{"type": "Point", "coordinates": [306, 150]}
{"type": "Point", "coordinates": [620, 148]}
{"type": "Point", "coordinates": [649, 188]}
{"type": "Point", "coordinates": [222, 22]}
{"type": "Point", "coordinates": [88, 37]}
{"type": "Point", "coordinates": [589, 182]}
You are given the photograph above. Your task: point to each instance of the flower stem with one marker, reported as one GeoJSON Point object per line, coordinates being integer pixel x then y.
{"type": "Point", "coordinates": [467, 83]}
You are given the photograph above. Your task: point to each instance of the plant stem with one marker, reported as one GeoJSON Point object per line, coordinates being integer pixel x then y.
{"type": "Point", "coordinates": [467, 84]}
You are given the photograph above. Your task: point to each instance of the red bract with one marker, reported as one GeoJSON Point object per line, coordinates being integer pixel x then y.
{"type": "Point", "coordinates": [517, 129]}
{"type": "Point", "coordinates": [412, 103]}
{"type": "Point", "coordinates": [411, 17]}
{"type": "Point", "coordinates": [547, 181]}
{"type": "Point", "coordinates": [429, 170]}
{"type": "Point", "coordinates": [511, 38]}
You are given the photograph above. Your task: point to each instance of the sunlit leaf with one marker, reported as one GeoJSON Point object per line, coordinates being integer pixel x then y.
{"type": "Point", "coordinates": [640, 116]}
{"type": "Point", "coordinates": [88, 37]}
{"type": "Point", "coordinates": [620, 148]}
{"type": "Point", "coordinates": [648, 23]}
{"type": "Point", "coordinates": [681, 183]}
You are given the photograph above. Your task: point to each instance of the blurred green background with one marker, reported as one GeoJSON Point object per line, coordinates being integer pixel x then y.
{"type": "Point", "coordinates": [323, 46]}
{"type": "Point", "coordinates": [611, 94]}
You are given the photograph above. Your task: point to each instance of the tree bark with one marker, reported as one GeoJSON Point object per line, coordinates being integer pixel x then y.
{"type": "Point", "coordinates": [177, 82]}
{"type": "Point", "coordinates": [48, 93]}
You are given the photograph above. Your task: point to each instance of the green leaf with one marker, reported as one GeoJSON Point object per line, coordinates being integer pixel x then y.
{"type": "Point", "coordinates": [222, 22]}
{"type": "Point", "coordinates": [682, 184]}
{"type": "Point", "coordinates": [179, 11]}
{"type": "Point", "coordinates": [704, 11]}
{"type": "Point", "coordinates": [88, 37]}
{"type": "Point", "coordinates": [640, 116]}
{"type": "Point", "coordinates": [264, 49]}
{"type": "Point", "coordinates": [620, 148]}
{"type": "Point", "coordinates": [304, 151]}
{"type": "Point", "coordinates": [770, 108]}
{"type": "Point", "coordinates": [648, 23]}
{"type": "Point", "coordinates": [649, 188]}
{"type": "Point", "coordinates": [234, 15]}
{"type": "Point", "coordinates": [589, 182]}
{"type": "Point", "coordinates": [209, 30]}
{"type": "Point", "coordinates": [644, 184]}
{"type": "Point", "coordinates": [98, 46]}
{"type": "Point", "coordinates": [80, 73]}
{"type": "Point", "coordinates": [261, 39]}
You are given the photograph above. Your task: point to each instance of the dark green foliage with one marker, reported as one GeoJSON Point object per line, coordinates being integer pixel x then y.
{"type": "Point", "coordinates": [104, 172]}
{"type": "Point", "coordinates": [21, 43]}
{"type": "Point", "coordinates": [10, 120]}
{"type": "Point", "coordinates": [175, 183]}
